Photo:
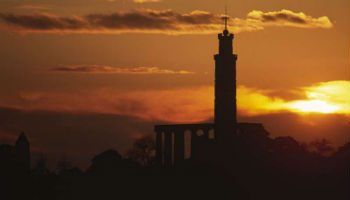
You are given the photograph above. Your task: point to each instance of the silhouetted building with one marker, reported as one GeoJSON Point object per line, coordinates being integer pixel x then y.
{"type": "Point", "coordinates": [225, 108]}
{"type": "Point", "coordinates": [18, 155]}
{"type": "Point", "coordinates": [203, 142]}
{"type": "Point", "coordinates": [23, 151]}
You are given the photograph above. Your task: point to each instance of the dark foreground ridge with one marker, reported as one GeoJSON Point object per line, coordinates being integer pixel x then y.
{"type": "Point", "coordinates": [260, 168]}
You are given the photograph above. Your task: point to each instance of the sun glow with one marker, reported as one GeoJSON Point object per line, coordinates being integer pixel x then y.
{"type": "Point", "coordinates": [326, 97]}
{"type": "Point", "coordinates": [331, 97]}
{"type": "Point", "coordinates": [189, 104]}
{"type": "Point", "coordinates": [314, 106]}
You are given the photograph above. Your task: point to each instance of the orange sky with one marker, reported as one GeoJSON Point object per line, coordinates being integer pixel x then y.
{"type": "Point", "coordinates": [153, 61]}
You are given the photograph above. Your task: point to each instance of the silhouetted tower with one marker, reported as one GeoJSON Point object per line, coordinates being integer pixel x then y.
{"type": "Point", "coordinates": [225, 88]}
{"type": "Point", "coordinates": [23, 151]}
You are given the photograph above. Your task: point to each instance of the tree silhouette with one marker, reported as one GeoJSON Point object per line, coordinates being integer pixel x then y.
{"type": "Point", "coordinates": [41, 165]}
{"type": "Point", "coordinates": [143, 151]}
{"type": "Point", "coordinates": [321, 147]}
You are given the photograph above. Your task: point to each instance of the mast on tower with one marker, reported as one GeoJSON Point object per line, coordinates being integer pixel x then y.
{"type": "Point", "coordinates": [226, 17]}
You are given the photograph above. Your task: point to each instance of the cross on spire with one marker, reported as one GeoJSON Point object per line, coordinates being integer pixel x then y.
{"type": "Point", "coordinates": [225, 17]}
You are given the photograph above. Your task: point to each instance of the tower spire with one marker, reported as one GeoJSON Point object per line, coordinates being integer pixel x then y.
{"type": "Point", "coordinates": [225, 17]}
{"type": "Point", "coordinates": [225, 109]}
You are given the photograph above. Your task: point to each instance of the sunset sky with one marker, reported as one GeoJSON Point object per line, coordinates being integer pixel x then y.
{"type": "Point", "coordinates": [86, 75]}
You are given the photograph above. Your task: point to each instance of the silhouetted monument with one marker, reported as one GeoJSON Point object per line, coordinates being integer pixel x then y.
{"type": "Point", "coordinates": [205, 141]}
{"type": "Point", "coordinates": [23, 150]}
{"type": "Point", "coordinates": [18, 154]}
{"type": "Point", "coordinates": [225, 88]}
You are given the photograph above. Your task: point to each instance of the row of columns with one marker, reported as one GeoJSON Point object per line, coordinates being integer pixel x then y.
{"type": "Point", "coordinates": [170, 148]}
{"type": "Point", "coordinates": [170, 145]}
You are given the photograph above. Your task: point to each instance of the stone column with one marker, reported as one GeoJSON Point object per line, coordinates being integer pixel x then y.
{"type": "Point", "coordinates": [179, 147]}
{"type": "Point", "coordinates": [159, 151]}
{"type": "Point", "coordinates": [168, 149]}
{"type": "Point", "coordinates": [194, 142]}
{"type": "Point", "coordinates": [206, 133]}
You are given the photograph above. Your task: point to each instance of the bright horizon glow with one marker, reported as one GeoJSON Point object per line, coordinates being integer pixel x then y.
{"type": "Point", "coordinates": [326, 98]}
{"type": "Point", "coordinates": [314, 106]}
{"type": "Point", "coordinates": [331, 97]}
{"type": "Point", "coordinates": [321, 98]}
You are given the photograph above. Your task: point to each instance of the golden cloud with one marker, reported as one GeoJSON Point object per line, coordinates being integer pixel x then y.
{"type": "Point", "coordinates": [157, 21]}
{"type": "Point", "coordinates": [325, 97]}
{"type": "Point", "coordinates": [289, 18]}
{"type": "Point", "coordinates": [118, 70]}
{"type": "Point", "coordinates": [141, 1]}
{"type": "Point", "coordinates": [331, 97]}
{"type": "Point", "coordinates": [147, 1]}
{"type": "Point", "coordinates": [34, 7]}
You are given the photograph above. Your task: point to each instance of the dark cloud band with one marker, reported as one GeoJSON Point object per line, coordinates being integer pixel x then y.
{"type": "Point", "coordinates": [155, 21]}
{"type": "Point", "coordinates": [118, 70]}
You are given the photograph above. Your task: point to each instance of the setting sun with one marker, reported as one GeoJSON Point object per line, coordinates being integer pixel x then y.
{"type": "Point", "coordinates": [314, 106]}
{"type": "Point", "coordinates": [326, 97]}
{"type": "Point", "coordinates": [321, 98]}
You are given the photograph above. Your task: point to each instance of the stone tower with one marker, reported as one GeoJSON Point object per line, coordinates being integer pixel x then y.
{"type": "Point", "coordinates": [213, 143]}
{"type": "Point", "coordinates": [225, 89]}
{"type": "Point", "coordinates": [23, 151]}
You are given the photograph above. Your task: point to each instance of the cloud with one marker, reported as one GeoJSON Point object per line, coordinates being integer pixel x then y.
{"type": "Point", "coordinates": [325, 97]}
{"type": "Point", "coordinates": [34, 7]}
{"type": "Point", "coordinates": [147, 1]}
{"type": "Point", "coordinates": [43, 22]}
{"type": "Point", "coordinates": [140, 1]}
{"type": "Point", "coordinates": [290, 18]}
{"type": "Point", "coordinates": [157, 21]}
{"type": "Point", "coordinates": [175, 105]}
{"type": "Point", "coordinates": [185, 104]}
{"type": "Point", "coordinates": [118, 70]}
